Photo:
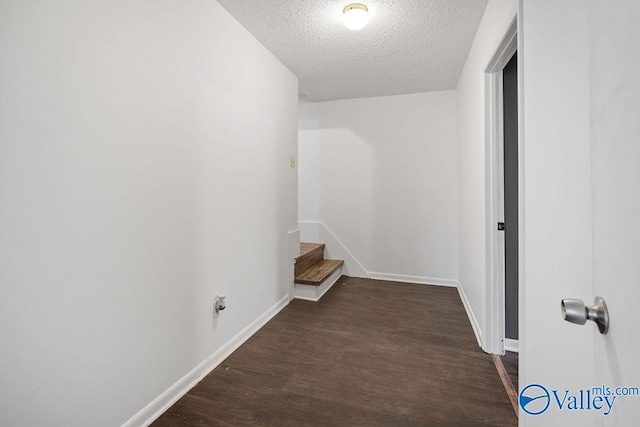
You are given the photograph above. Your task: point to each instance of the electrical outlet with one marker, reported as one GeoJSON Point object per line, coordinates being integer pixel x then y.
{"type": "Point", "coordinates": [292, 161]}
{"type": "Point", "coordinates": [219, 304]}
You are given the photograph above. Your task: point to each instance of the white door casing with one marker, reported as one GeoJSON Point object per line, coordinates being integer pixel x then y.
{"type": "Point", "coordinates": [494, 335]}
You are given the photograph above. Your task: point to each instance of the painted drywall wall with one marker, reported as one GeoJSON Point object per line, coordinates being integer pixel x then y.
{"type": "Point", "coordinates": [384, 170]}
{"type": "Point", "coordinates": [308, 169]}
{"type": "Point", "coordinates": [472, 154]}
{"type": "Point", "coordinates": [144, 168]}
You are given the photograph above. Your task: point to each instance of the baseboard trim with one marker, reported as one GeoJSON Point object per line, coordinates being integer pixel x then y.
{"type": "Point", "coordinates": [307, 299]}
{"type": "Point", "coordinates": [421, 280]}
{"type": "Point", "coordinates": [472, 317]}
{"type": "Point", "coordinates": [160, 404]}
{"type": "Point", "coordinates": [512, 345]}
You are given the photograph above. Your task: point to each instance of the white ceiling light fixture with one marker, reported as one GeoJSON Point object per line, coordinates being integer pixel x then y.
{"type": "Point", "coordinates": [355, 16]}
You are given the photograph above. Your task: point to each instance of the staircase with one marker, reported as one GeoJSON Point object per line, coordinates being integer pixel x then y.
{"type": "Point", "coordinates": [314, 275]}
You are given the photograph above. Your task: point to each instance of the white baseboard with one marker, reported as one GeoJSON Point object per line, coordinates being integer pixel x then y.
{"type": "Point", "coordinates": [413, 279]}
{"type": "Point", "coordinates": [314, 293]}
{"type": "Point", "coordinates": [472, 317]}
{"type": "Point", "coordinates": [512, 345]}
{"type": "Point", "coordinates": [160, 404]}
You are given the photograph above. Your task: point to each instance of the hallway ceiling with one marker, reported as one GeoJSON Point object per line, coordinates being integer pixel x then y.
{"type": "Point", "coordinates": [408, 46]}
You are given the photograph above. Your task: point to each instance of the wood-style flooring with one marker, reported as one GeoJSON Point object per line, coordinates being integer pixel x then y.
{"type": "Point", "coordinates": [369, 353]}
{"type": "Point", "coordinates": [507, 376]}
{"type": "Point", "coordinates": [510, 362]}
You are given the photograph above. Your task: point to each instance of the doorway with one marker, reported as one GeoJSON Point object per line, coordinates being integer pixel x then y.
{"type": "Point", "coordinates": [502, 198]}
{"type": "Point", "coordinates": [510, 192]}
{"type": "Point", "coordinates": [509, 227]}
{"type": "Point", "coordinates": [503, 224]}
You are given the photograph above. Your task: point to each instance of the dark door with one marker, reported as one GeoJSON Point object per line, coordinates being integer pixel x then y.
{"type": "Point", "coordinates": [510, 80]}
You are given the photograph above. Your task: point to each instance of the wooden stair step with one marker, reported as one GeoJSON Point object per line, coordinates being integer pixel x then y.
{"type": "Point", "coordinates": [305, 248]}
{"type": "Point", "coordinates": [319, 272]}
{"type": "Point", "coordinates": [310, 254]}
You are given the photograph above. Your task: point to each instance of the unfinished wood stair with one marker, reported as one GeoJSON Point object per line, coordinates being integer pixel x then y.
{"type": "Point", "coordinates": [314, 275]}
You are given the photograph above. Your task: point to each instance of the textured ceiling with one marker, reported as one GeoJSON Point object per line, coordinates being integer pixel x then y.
{"type": "Point", "coordinates": [408, 46]}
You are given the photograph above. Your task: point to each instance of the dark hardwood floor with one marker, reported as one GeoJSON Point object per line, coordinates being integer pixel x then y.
{"type": "Point", "coordinates": [510, 362]}
{"type": "Point", "coordinates": [369, 353]}
{"type": "Point", "coordinates": [507, 368]}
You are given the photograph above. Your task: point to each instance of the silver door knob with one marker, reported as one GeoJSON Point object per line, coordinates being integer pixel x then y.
{"type": "Point", "coordinates": [575, 311]}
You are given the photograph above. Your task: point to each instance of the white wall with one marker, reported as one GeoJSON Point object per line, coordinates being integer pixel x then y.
{"type": "Point", "coordinates": [385, 173]}
{"type": "Point", "coordinates": [308, 166]}
{"type": "Point", "coordinates": [472, 154]}
{"type": "Point", "coordinates": [144, 168]}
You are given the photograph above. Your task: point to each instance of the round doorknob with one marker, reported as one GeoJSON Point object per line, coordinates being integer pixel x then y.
{"type": "Point", "coordinates": [575, 311]}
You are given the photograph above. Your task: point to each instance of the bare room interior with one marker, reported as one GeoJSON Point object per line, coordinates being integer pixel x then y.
{"type": "Point", "coordinates": [318, 213]}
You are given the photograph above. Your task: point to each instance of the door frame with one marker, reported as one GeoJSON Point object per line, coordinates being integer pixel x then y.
{"type": "Point", "coordinates": [494, 336]}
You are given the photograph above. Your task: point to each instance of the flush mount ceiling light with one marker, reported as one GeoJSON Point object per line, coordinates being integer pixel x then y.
{"type": "Point", "coordinates": [355, 16]}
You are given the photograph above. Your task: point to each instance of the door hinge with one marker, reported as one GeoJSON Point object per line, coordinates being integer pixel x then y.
{"type": "Point", "coordinates": [501, 226]}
